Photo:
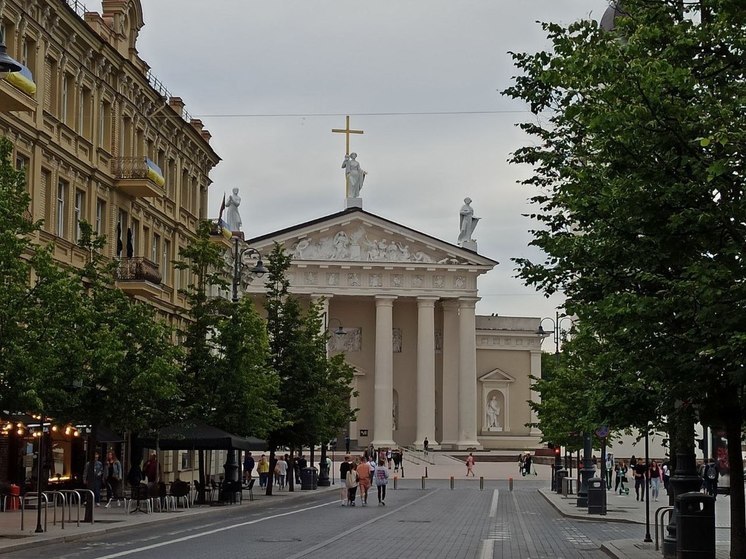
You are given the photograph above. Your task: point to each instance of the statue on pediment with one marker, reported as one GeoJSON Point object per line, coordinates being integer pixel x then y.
{"type": "Point", "coordinates": [467, 223]}
{"type": "Point", "coordinates": [354, 175]}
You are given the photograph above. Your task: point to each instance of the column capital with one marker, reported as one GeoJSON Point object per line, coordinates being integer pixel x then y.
{"type": "Point", "coordinates": [427, 301]}
{"type": "Point", "coordinates": [449, 304]}
{"type": "Point", "coordinates": [468, 302]}
{"type": "Point", "coordinates": [385, 300]}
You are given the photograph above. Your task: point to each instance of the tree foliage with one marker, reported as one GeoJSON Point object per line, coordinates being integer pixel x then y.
{"type": "Point", "coordinates": [639, 168]}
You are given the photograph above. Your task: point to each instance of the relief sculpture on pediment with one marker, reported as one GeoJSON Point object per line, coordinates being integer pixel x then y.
{"type": "Point", "coordinates": [360, 245]}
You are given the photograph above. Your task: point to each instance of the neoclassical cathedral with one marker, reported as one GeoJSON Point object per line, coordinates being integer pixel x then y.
{"type": "Point", "coordinates": [400, 305]}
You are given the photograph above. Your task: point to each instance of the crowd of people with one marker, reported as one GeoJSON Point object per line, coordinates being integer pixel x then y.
{"type": "Point", "coordinates": [363, 472]}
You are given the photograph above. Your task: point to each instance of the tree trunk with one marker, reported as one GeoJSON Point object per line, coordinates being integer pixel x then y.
{"type": "Point", "coordinates": [271, 474]}
{"type": "Point", "coordinates": [733, 424]}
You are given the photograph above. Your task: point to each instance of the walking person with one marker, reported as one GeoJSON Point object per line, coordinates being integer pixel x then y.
{"type": "Point", "coordinates": [382, 478]}
{"type": "Point", "coordinates": [426, 445]}
{"type": "Point", "coordinates": [351, 482]}
{"type": "Point", "coordinates": [666, 469]}
{"type": "Point", "coordinates": [470, 465]}
{"type": "Point", "coordinates": [655, 474]}
{"type": "Point", "coordinates": [344, 467]}
{"type": "Point", "coordinates": [281, 471]}
{"type": "Point", "coordinates": [248, 467]}
{"type": "Point", "coordinates": [365, 476]}
{"type": "Point", "coordinates": [527, 464]}
{"type": "Point", "coordinates": [640, 479]}
{"type": "Point", "coordinates": [623, 469]}
{"type": "Point", "coordinates": [93, 475]}
{"type": "Point", "coordinates": [113, 479]}
{"type": "Point", "coordinates": [711, 475]}
{"type": "Point", "coordinates": [152, 469]}
{"type": "Point", "coordinates": [263, 469]}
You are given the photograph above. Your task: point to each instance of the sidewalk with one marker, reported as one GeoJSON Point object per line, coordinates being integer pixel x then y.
{"type": "Point", "coordinates": [115, 519]}
{"type": "Point", "coordinates": [624, 508]}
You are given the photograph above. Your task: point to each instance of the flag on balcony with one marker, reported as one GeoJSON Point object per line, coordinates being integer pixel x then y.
{"type": "Point", "coordinates": [130, 245]}
{"type": "Point", "coordinates": [120, 246]}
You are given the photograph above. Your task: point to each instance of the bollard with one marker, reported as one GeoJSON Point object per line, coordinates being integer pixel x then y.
{"type": "Point", "coordinates": [510, 483]}
{"type": "Point", "coordinates": [481, 483]}
{"type": "Point", "coordinates": [395, 480]}
{"type": "Point", "coordinates": [451, 482]}
{"type": "Point", "coordinates": [425, 471]}
{"type": "Point", "coordinates": [423, 482]}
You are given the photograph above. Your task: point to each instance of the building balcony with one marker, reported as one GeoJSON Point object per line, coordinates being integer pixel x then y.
{"type": "Point", "coordinates": [138, 177]}
{"type": "Point", "coordinates": [17, 90]}
{"type": "Point", "coordinates": [138, 276]}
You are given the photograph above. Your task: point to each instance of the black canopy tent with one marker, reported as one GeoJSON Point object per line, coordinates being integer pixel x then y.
{"type": "Point", "coordinates": [200, 436]}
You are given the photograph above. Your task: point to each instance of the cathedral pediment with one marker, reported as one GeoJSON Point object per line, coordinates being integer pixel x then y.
{"type": "Point", "coordinates": [496, 375]}
{"type": "Point", "coordinates": [356, 236]}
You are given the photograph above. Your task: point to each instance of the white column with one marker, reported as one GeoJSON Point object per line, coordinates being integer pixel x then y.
{"type": "Point", "coordinates": [450, 374]}
{"type": "Point", "coordinates": [467, 375]}
{"type": "Point", "coordinates": [383, 380]}
{"type": "Point", "coordinates": [425, 371]}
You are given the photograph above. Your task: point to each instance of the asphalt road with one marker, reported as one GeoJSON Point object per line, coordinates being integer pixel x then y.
{"type": "Point", "coordinates": [433, 523]}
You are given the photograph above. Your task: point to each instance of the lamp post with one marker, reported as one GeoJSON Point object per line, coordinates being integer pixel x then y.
{"type": "Point", "coordinates": [7, 63]}
{"type": "Point", "coordinates": [557, 332]}
{"type": "Point", "coordinates": [323, 480]}
{"type": "Point", "coordinates": [39, 471]}
{"type": "Point", "coordinates": [231, 466]}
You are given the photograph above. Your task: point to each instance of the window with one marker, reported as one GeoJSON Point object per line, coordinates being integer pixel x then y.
{"type": "Point", "coordinates": [104, 123]}
{"type": "Point", "coordinates": [166, 260]}
{"type": "Point", "coordinates": [79, 210]}
{"type": "Point", "coordinates": [121, 232]}
{"type": "Point", "coordinates": [61, 194]}
{"type": "Point", "coordinates": [64, 98]}
{"type": "Point", "coordinates": [22, 164]}
{"type": "Point", "coordinates": [145, 241]}
{"type": "Point", "coordinates": [85, 105]}
{"type": "Point", "coordinates": [100, 217]}
{"type": "Point", "coordinates": [135, 228]}
{"type": "Point", "coordinates": [155, 249]}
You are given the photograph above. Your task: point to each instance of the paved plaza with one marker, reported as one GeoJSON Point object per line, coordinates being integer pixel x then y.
{"type": "Point", "coordinates": [496, 514]}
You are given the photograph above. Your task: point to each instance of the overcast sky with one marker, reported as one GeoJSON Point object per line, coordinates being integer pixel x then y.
{"type": "Point", "coordinates": [270, 79]}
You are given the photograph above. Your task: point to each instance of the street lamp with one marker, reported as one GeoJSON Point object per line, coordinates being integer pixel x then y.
{"type": "Point", "coordinates": [238, 264]}
{"type": "Point", "coordinates": [323, 480]}
{"type": "Point", "coordinates": [7, 63]}
{"type": "Point", "coordinates": [231, 466]}
{"type": "Point", "coordinates": [557, 332]}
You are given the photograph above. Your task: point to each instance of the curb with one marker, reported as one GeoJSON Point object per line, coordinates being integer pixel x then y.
{"type": "Point", "coordinates": [586, 516]}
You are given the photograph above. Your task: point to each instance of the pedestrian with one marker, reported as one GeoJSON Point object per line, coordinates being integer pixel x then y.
{"type": "Point", "coordinates": [712, 474]}
{"type": "Point", "coordinates": [113, 479]}
{"type": "Point", "coordinates": [655, 474]}
{"type": "Point", "coordinates": [93, 475]}
{"type": "Point", "coordinates": [351, 482]}
{"type": "Point", "coordinates": [344, 467]}
{"type": "Point", "coordinates": [527, 464]}
{"type": "Point", "coordinates": [521, 456]}
{"type": "Point", "coordinates": [365, 476]}
{"type": "Point", "coordinates": [248, 467]}
{"type": "Point", "coordinates": [389, 458]}
{"type": "Point", "coordinates": [347, 443]}
{"type": "Point", "coordinates": [640, 478]}
{"type": "Point", "coordinates": [281, 471]}
{"type": "Point", "coordinates": [666, 469]}
{"type": "Point", "coordinates": [470, 465]}
{"type": "Point", "coordinates": [302, 464]}
{"type": "Point", "coordinates": [382, 478]}
{"type": "Point", "coordinates": [263, 470]}
{"type": "Point", "coordinates": [397, 459]}
{"type": "Point", "coordinates": [609, 469]}
{"type": "Point", "coordinates": [152, 469]}
{"type": "Point", "coordinates": [426, 445]}
{"type": "Point", "coordinates": [624, 469]}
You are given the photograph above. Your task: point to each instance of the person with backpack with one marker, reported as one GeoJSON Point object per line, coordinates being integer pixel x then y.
{"type": "Point", "coordinates": [711, 478]}
{"type": "Point", "coordinates": [382, 478]}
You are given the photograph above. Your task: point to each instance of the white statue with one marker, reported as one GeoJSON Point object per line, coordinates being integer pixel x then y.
{"type": "Point", "coordinates": [354, 175]}
{"type": "Point", "coordinates": [467, 223]}
{"type": "Point", "coordinates": [493, 412]}
{"type": "Point", "coordinates": [232, 217]}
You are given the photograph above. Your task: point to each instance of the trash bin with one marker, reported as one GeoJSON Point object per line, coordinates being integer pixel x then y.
{"type": "Point", "coordinates": [695, 528]}
{"type": "Point", "coordinates": [309, 478]}
{"type": "Point", "coordinates": [596, 496]}
{"type": "Point", "coordinates": [560, 475]}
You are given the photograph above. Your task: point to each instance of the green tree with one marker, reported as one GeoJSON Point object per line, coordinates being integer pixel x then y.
{"type": "Point", "coordinates": [639, 167]}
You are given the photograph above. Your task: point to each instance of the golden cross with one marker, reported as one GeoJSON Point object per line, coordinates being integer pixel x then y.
{"type": "Point", "coordinates": [346, 131]}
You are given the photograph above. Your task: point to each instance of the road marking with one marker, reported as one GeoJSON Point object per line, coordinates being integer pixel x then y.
{"type": "Point", "coordinates": [493, 506]}
{"type": "Point", "coordinates": [532, 552]}
{"type": "Point", "coordinates": [210, 532]}
{"type": "Point", "coordinates": [323, 544]}
{"type": "Point", "coordinates": [488, 549]}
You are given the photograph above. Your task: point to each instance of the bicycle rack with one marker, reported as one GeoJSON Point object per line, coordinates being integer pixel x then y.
{"type": "Point", "coordinates": [33, 495]}
{"type": "Point", "coordinates": [662, 511]}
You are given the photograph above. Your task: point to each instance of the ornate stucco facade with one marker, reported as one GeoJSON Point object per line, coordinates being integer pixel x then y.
{"type": "Point", "coordinates": [101, 139]}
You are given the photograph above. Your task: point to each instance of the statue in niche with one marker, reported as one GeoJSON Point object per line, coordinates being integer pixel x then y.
{"type": "Point", "coordinates": [493, 414]}
{"type": "Point", "coordinates": [467, 222]}
{"type": "Point", "coordinates": [354, 175]}
{"type": "Point", "coordinates": [232, 217]}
